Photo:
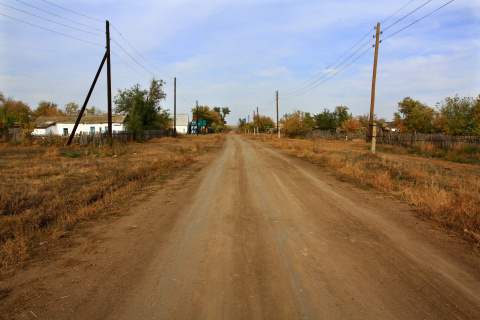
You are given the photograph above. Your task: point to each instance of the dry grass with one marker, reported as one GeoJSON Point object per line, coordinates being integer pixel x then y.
{"type": "Point", "coordinates": [46, 191]}
{"type": "Point", "coordinates": [446, 192]}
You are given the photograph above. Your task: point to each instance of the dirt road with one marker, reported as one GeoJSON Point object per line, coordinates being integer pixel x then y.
{"type": "Point", "coordinates": [257, 234]}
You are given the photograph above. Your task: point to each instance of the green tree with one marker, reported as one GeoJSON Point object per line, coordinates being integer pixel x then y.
{"type": "Point", "coordinates": [341, 115]}
{"type": "Point", "coordinates": [325, 120]}
{"type": "Point", "coordinates": [94, 111]}
{"type": "Point", "coordinates": [459, 116]}
{"type": "Point", "coordinates": [225, 113]}
{"type": "Point", "coordinates": [14, 112]}
{"type": "Point", "coordinates": [414, 116]}
{"type": "Point", "coordinates": [143, 107]}
{"type": "Point", "coordinates": [212, 117]}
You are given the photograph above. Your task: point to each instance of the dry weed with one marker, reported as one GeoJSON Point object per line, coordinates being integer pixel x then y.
{"type": "Point", "coordinates": [445, 192]}
{"type": "Point", "coordinates": [45, 192]}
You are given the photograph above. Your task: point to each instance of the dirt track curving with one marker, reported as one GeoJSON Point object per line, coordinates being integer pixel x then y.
{"type": "Point", "coordinates": [257, 234]}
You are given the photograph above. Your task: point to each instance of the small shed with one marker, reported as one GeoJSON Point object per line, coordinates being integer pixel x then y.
{"type": "Point", "coordinates": [182, 123]}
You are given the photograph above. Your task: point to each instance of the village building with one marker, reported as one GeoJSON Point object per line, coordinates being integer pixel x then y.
{"type": "Point", "coordinates": [182, 123]}
{"type": "Point", "coordinates": [63, 125]}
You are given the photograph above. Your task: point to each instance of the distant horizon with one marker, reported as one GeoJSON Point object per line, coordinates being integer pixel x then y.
{"type": "Point", "coordinates": [237, 55]}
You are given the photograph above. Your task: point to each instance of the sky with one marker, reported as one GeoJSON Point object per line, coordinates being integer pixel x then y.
{"type": "Point", "coordinates": [237, 54]}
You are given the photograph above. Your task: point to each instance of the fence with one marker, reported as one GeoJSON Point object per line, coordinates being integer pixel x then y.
{"type": "Point", "coordinates": [410, 140]}
{"type": "Point", "coordinates": [90, 138]}
{"type": "Point", "coordinates": [327, 134]}
{"type": "Point", "coordinates": [407, 140]}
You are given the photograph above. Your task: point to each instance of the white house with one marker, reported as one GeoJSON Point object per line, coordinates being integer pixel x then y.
{"type": "Point", "coordinates": [182, 123]}
{"type": "Point", "coordinates": [63, 125]}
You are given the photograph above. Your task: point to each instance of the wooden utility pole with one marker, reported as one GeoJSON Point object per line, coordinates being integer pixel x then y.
{"type": "Point", "coordinates": [197, 118]}
{"type": "Point", "coordinates": [278, 130]}
{"type": "Point", "coordinates": [175, 107]}
{"type": "Point", "coordinates": [258, 123]}
{"type": "Point", "coordinates": [109, 84]}
{"type": "Point", "coordinates": [374, 79]}
{"type": "Point", "coordinates": [106, 58]}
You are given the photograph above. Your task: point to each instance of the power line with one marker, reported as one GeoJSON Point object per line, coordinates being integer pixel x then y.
{"type": "Point", "coordinates": [118, 57]}
{"type": "Point", "coordinates": [136, 61]}
{"type": "Point", "coordinates": [370, 48]}
{"type": "Point", "coordinates": [80, 14]}
{"type": "Point", "coordinates": [303, 90]}
{"type": "Point", "coordinates": [65, 35]}
{"type": "Point", "coordinates": [396, 12]}
{"type": "Point", "coordinates": [406, 16]}
{"type": "Point", "coordinates": [56, 15]}
{"type": "Point", "coordinates": [417, 20]}
{"type": "Point", "coordinates": [294, 88]}
{"type": "Point", "coordinates": [50, 20]}
{"type": "Point", "coordinates": [139, 52]}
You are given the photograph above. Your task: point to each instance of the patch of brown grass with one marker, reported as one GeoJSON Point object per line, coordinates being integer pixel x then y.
{"type": "Point", "coordinates": [446, 192]}
{"type": "Point", "coordinates": [46, 191]}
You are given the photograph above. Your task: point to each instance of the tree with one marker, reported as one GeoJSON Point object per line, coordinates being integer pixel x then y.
{"type": "Point", "coordinates": [94, 111]}
{"type": "Point", "coordinates": [225, 112]}
{"type": "Point", "coordinates": [46, 108]}
{"type": "Point", "coordinates": [414, 116]}
{"type": "Point", "coordinates": [341, 115]}
{"type": "Point", "coordinates": [263, 122]}
{"type": "Point", "coordinates": [13, 113]}
{"type": "Point", "coordinates": [297, 124]}
{"type": "Point", "coordinates": [143, 107]}
{"type": "Point", "coordinates": [325, 120]}
{"type": "Point", "coordinates": [212, 117]}
{"type": "Point", "coordinates": [351, 126]}
{"type": "Point", "coordinates": [459, 116]}
{"type": "Point", "coordinates": [72, 109]}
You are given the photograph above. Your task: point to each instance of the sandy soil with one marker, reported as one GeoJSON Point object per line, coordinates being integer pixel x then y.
{"type": "Point", "coordinates": [251, 233]}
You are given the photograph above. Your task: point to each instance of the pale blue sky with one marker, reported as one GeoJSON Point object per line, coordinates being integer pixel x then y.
{"type": "Point", "coordinates": [236, 54]}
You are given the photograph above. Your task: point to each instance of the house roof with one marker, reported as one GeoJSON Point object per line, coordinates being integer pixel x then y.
{"type": "Point", "coordinates": [45, 122]}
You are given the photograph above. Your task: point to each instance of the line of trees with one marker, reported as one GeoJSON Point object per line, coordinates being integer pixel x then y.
{"type": "Point", "coordinates": [16, 113]}
{"type": "Point", "coordinates": [452, 116]}
{"type": "Point", "coordinates": [142, 106]}
{"type": "Point", "coordinates": [263, 123]}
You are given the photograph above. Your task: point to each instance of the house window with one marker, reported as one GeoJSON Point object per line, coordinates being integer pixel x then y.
{"type": "Point", "coordinates": [92, 129]}
{"type": "Point", "coordinates": [65, 131]}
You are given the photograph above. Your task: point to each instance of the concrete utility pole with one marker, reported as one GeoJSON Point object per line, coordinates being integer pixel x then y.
{"type": "Point", "coordinates": [278, 130]}
{"type": "Point", "coordinates": [374, 79]}
{"type": "Point", "coordinates": [374, 139]}
{"type": "Point", "coordinates": [175, 107]}
{"type": "Point", "coordinates": [109, 84]}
